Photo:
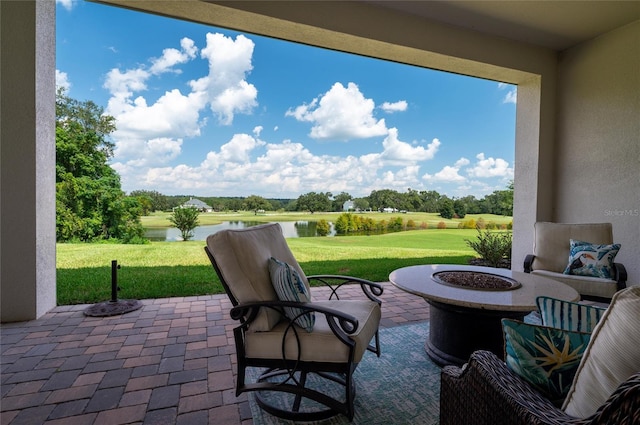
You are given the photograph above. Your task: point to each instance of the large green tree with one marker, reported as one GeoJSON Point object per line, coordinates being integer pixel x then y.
{"type": "Point", "coordinates": [313, 202]}
{"type": "Point", "coordinates": [158, 201]}
{"type": "Point", "coordinates": [256, 203]}
{"type": "Point", "coordinates": [90, 204]}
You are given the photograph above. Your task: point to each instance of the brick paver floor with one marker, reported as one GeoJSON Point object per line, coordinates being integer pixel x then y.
{"type": "Point", "coordinates": [170, 362]}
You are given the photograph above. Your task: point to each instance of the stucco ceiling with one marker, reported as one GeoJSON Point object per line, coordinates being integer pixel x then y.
{"type": "Point", "coordinates": [557, 25]}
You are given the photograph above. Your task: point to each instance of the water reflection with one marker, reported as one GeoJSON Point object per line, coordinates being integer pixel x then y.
{"type": "Point", "coordinates": [290, 229]}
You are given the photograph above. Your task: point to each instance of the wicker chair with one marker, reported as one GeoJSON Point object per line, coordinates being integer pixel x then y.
{"type": "Point", "coordinates": [486, 392]}
{"type": "Point", "coordinates": [290, 356]}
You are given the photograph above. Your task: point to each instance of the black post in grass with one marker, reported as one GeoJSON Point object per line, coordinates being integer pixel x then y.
{"type": "Point", "coordinates": [115, 306]}
{"type": "Point", "coordinates": [114, 281]}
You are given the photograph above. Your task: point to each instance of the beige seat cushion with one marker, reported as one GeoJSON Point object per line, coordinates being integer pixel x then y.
{"type": "Point", "coordinates": [585, 285]}
{"type": "Point", "coordinates": [612, 356]}
{"type": "Point", "coordinates": [243, 259]}
{"type": "Point", "coordinates": [551, 242]}
{"type": "Point", "coordinates": [321, 345]}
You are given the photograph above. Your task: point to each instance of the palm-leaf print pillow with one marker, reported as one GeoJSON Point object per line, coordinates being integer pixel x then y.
{"type": "Point", "coordinates": [547, 358]}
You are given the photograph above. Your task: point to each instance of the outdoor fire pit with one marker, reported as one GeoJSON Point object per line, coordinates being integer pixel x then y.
{"type": "Point", "coordinates": [475, 280]}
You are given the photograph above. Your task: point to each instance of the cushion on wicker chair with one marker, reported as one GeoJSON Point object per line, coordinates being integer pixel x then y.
{"type": "Point", "coordinates": [546, 357]}
{"type": "Point", "coordinates": [612, 356]}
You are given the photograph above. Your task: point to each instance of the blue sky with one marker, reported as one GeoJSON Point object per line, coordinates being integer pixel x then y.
{"type": "Point", "coordinates": [206, 111]}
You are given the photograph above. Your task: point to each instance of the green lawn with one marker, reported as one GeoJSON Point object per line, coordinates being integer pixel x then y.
{"type": "Point", "coordinates": [165, 269]}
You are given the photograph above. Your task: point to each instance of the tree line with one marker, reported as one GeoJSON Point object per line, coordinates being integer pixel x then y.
{"type": "Point", "coordinates": [91, 205]}
{"type": "Point", "coordinates": [500, 202]}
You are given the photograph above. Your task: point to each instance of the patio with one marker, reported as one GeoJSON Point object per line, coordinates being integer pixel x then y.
{"type": "Point", "coordinates": [172, 361]}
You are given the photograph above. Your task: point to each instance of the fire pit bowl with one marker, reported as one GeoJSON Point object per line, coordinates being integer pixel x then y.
{"type": "Point", "coordinates": [480, 281]}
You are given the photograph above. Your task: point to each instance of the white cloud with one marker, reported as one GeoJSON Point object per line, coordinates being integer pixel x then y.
{"type": "Point", "coordinates": [340, 114]}
{"type": "Point", "coordinates": [67, 4]}
{"type": "Point", "coordinates": [399, 106]}
{"type": "Point", "coordinates": [511, 96]}
{"type": "Point", "coordinates": [449, 173]}
{"type": "Point", "coordinates": [257, 130]}
{"type": "Point", "coordinates": [153, 152]}
{"type": "Point", "coordinates": [62, 80]}
{"type": "Point", "coordinates": [226, 89]}
{"type": "Point", "coordinates": [398, 152]}
{"type": "Point", "coordinates": [171, 57]}
{"type": "Point", "coordinates": [490, 167]}
{"type": "Point", "coordinates": [174, 115]}
{"type": "Point", "coordinates": [248, 164]}
{"type": "Point", "coordinates": [512, 93]}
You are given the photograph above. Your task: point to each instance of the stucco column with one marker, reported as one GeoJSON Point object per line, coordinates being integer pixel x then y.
{"type": "Point", "coordinates": [27, 159]}
{"type": "Point", "coordinates": [534, 180]}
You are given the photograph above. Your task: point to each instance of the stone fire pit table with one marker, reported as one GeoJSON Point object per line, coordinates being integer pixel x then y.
{"type": "Point", "coordinates": [467, 304]}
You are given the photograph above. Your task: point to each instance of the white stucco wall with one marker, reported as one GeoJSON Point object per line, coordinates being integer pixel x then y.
{"type": "Point", "coordinates": [27, 157]}
{"type": "Point", "coordinates": [598, 133]}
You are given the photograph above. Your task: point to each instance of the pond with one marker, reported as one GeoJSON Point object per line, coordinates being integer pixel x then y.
{"type": "Point", "coordinates": [290, 229]}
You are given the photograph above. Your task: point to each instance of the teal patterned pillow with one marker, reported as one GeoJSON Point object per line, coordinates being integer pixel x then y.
{"type": "Point", "coordinates": [290, 287]}
{"type": "Point", "coordinates": [587, 259]}
{"type": "Point", "coordinates": [547, 358]}
{"type": "Point", "coordinates": [567, 315]}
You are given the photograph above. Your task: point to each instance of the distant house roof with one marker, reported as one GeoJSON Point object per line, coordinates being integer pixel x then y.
{"type": "Point", "coordinates": [348, 205]}
{"type": "Point", "coordinates": [196, 203]}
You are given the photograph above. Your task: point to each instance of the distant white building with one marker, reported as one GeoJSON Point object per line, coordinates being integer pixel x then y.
{"type": "Point", "coordinates": [389, 210]}
{"type": "Point", "coordinates": [197, 204]}
{"type": "Point", "coordinates": [348, 206]}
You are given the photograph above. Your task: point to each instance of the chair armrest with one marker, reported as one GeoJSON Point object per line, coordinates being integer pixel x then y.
{"type": "Point", "coordinates": [247, 312]}
{"type": "Point", "coordinates": [620, 275]}
{"type": "Point", "coordinates": [486, 391]}
{"type": "Point", "coordinates": [371, 289]}
{"type": "Point", "coordinates": [528, 261]}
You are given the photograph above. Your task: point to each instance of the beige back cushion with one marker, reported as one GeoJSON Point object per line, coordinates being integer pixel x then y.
{"type": "Point", "coordinates": [243, 259]}
{"type": "Point", "coordinates": [551, 242]}
{"type": "Point", "coordinates": [612, 356]}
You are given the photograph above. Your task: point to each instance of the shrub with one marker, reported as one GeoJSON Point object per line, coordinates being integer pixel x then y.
{"type": "Point", "coordinates": [467, 224]}
{"type": "Point", "coordinates": [323, 228]}
{"type": "Point", "coordinates": [480, 224]}
{"type": "Point", "coordinates": [442, 225]}
{"type": "Point", "coordinates": [411, 224]}
{"type": "Point", "coordinates": [395, 224]}
{"type": "Point", "coordinates": [492, 247]}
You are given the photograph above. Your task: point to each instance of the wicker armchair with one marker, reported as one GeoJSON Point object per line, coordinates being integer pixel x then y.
{"type": "Point", "coordinates": [487, 392]}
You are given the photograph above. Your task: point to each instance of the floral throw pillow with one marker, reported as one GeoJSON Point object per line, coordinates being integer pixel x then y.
{"type": "Point", "coordinates": [547, 358]}
{"type": "Point", "coordinates": [587, 259]}
{"type": "Point", "coordinates": [289, 286]}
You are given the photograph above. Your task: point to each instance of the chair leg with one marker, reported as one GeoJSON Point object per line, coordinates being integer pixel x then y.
{"type": "Point", "coordinates": [302, 382]}
{"type": "Point", "coordinates": [275, 380]}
